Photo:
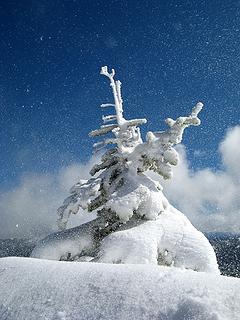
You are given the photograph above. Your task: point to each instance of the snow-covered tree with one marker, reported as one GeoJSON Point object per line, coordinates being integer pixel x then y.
{"type": "Point", "coordinates": [135, 223]}
{"type": "Point", "coordinates": [119, 179]}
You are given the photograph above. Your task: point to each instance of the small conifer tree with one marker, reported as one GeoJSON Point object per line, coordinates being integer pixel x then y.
{"type": "Point", "coordinates": [120, 187]}
{"type": "Point", "coordinates": [135, 222]}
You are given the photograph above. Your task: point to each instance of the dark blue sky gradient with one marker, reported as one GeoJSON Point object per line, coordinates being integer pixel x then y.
{"type": "Point", "coordinates": [168, 55]}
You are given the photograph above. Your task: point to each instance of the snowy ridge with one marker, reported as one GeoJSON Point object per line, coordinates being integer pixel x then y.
{"type": "Point", "coordinates": [52, 290]}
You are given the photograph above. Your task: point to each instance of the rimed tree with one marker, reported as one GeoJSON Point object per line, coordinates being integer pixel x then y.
{"type": "Point", "coordinates": [120, 186]}
{"type": "Point", "coordinates": [135, 222]}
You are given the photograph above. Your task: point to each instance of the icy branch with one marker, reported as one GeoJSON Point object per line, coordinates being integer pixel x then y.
{"type": "Point", "coordinates": [196, 109]}
{"type": "Point", "coordinates": [106, 105]}
{"type": "Point", "coordinates": [81, 195]}
{"type": "Point", "coordinates": [176, 127]}
{"type": "Point", "coordinates": [116, 88]}
{"type": "Point", "coordinates": [109, 118]}
{"type": "Point", "coordinates": [126, 133]}
{"type": "Point", "coordinates": [157, 153]}
{"type": "Point", "coordinates": [100, 145]}
{"type": "Point", "coordinates": [135, 122]}
{"type": "Point", "coordinates": [103, 130]}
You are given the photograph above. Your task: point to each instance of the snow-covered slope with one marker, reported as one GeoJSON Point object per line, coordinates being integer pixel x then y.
{"type": "Point", "coordinates": [42, 289]}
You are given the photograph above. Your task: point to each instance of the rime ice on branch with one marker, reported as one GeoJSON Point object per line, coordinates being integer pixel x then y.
{"type": "Point", "coordinates": [158, 153]}
{"type": "Point", "coordinates": [120, 186]}
{"type": "Point", "coordinates": [126, 134]}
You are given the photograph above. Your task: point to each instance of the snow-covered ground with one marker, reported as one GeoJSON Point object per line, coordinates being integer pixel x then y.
{"type": "Point", "coordinates": [43, 289]}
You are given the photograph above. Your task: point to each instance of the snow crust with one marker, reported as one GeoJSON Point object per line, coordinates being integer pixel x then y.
{"type": "Point", "coordinates": [51, 290]}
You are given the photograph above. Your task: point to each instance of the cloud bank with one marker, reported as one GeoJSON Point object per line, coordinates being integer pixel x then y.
{"type": "Point", "coordinates": [29, 210]}
{"type": "Point", "coordinates": [211, 199]}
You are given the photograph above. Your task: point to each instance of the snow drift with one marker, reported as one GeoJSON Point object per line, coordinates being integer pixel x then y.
{"type": "Point", "coordinates": [51, 290]}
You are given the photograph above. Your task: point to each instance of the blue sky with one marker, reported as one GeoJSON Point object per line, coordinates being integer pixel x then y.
{"type": "Point", "coordinates": [168, 55]}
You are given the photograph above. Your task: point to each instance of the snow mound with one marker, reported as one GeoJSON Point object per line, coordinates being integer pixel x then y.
{"type": "Point", "coordinates": [51, 290]}
{"type": "Point", "coordinates": [169, 240]}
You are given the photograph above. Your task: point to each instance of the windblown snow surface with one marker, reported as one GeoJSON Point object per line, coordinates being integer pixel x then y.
{"type": "Point", "coordinates": [43, 289]}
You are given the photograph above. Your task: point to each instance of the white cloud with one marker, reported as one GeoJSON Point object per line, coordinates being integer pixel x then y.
{"type": "Point", "coordinates": [210, 199]}
{"type": "Point", "coordinates": [230, 151]}
{"type": "Point", "coordinates": [29, 209]}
